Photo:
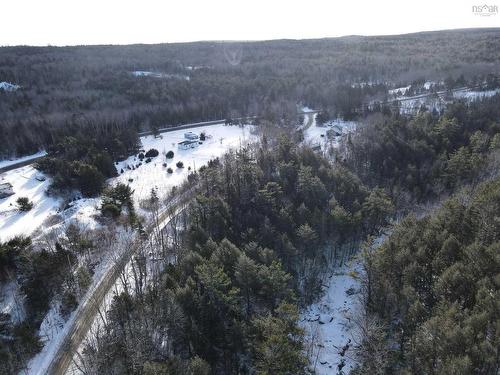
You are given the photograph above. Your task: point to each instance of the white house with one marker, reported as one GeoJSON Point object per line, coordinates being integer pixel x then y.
{"type": "Point", "coordinates": [186, 145]}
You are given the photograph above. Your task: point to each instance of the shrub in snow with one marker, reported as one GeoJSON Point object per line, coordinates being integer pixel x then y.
{"type": "Point", "coordinates": [164, 164]}
{"type": "Point", "coordinates": [110, 210]}
{"type": "Point", "coordinates": [169, 170]}
{"type": "Point", "coordinates": [148, 160]}
{"type": "Point", "coordinates": [24, 204]}
{"type": "Point", "coordinates": [140, 156]}
{"type": "Point", "coordinates": [68, 303]}
{"type": "Point", "coordinates": [170, 155]}
{"type": "Point", "coordinates": [152, 153]}
{"type": "Point", "coordinates": [180, 164]}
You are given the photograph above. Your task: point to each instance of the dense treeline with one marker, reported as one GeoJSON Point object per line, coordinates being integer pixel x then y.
{"type": "Point", "coordinates": [48, 275]}
{"type": "Point", "coordinates": [434, 283]}
{"type": "Point", "coordinates": [258, 233]}
{"type": "Point", "coordinates": [41, 275]}
{"type": "Point", "coordinates": [421, 157]}
{"type": "Point", "coordinates": [84, 159]}
{"type": "Point", "coordinates": [59, 86]}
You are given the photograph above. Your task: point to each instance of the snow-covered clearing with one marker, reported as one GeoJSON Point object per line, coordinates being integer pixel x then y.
{"type": "Point", "coordinates": [9, 162]}
{"type": "Point", "coordinates": [220, 138]}
{"type": "Point", "coordinates": [413, 105]}
{"type": "Point", "coordinates": [25, 184]}
{"type": "Point", "coordinates": [473, 94]}
{"type": "Point", "coordinates": [7, 86]}
{"type": "Point", "coordinates": [328, 135]}
{"type": "Point", "coordinates": [329, 322]}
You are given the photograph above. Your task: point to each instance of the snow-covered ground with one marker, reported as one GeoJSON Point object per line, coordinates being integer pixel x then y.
{"type": "Point", "coordinates": [474, 94]}
{"type": "Point", "coordinates": [52, 331]}
{"type": "Point", "coordinates": [25, 184]}
{"type": "Point", "coordinates": [399, 91]}
{"type": "Point", "coordinates": [317, 137]}
{"type": "Point", "coordinates": [328, 323]}
{"type": "Point", "coordinates": [142, 179]}
{"type": "Point", "coordinates": [220, 138]}
{"type": "Point", "coordinates": [7, 86]}
{"type": "Point", "coordinates": [11, 301]}
{"type": "Point", "coordinates": [145, 73]}
{"type": "Point", "coordinates": [9, 162]}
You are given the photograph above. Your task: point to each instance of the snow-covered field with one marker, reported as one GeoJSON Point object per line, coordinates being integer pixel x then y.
{"type": "Point", "coordinates": [329, 322]}
{"type": "Point", "coordinates": [220, 138]}
{"type": "Point", "coordinates": [25, 184]}
{"type": "Point", "coordinates": [142, 179]}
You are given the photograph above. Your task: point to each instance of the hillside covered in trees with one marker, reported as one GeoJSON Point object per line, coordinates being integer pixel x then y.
{"type": "Point", "coordinates": [220, 288]}
{"type": "Point", "coordinates": [262, 227]}
{"type": "Point", "coordinates": [434, 286]}
{"type": "Point", "coordinates": [92, 89]}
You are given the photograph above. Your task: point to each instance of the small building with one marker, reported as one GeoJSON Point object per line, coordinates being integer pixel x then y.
{"type": "Point", "coordinates": [6, 190]}
{"type": "Point", "coordinates": [190, 135]}
{"type": "Point", "coordinates": [186, 145]}
{"type": "Point", "coordinates": [338, 130]}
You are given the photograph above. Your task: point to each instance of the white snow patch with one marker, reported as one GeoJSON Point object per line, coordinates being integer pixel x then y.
{"type": "Point", "coordinates": [328, 322]}
{"type": "Point", "coordinates": [428, 85]}
{"type": "Point", "coordinates": [145, 73]}
{"type": "Point", "coordinates": [52, 331]}
{"type": "Point", "coordinates": [472, 94]}
{"type": "Point", "coordinates": [11, 301]}
{"type": "Point", "coordinates": [7, 86]}
{"type": "Point", "coordinates": [399, 91]}
{"type": "Point", "coordinates": [220, 138]}
{"type": "Point", "coordinates": [25, 184]}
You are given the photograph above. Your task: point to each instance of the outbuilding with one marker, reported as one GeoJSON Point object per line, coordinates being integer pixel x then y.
{"type": "Point", "coordinates": [190, 136]}
{"type": "Point", "coordinates": [186, 145]}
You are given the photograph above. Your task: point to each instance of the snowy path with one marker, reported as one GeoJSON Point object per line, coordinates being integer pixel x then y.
{"type": "Point", "coordinates": [328, 322]}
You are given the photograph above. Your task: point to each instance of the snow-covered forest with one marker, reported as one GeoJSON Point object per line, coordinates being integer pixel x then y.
{"type": "Point", "coordinates": [337, 212]}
